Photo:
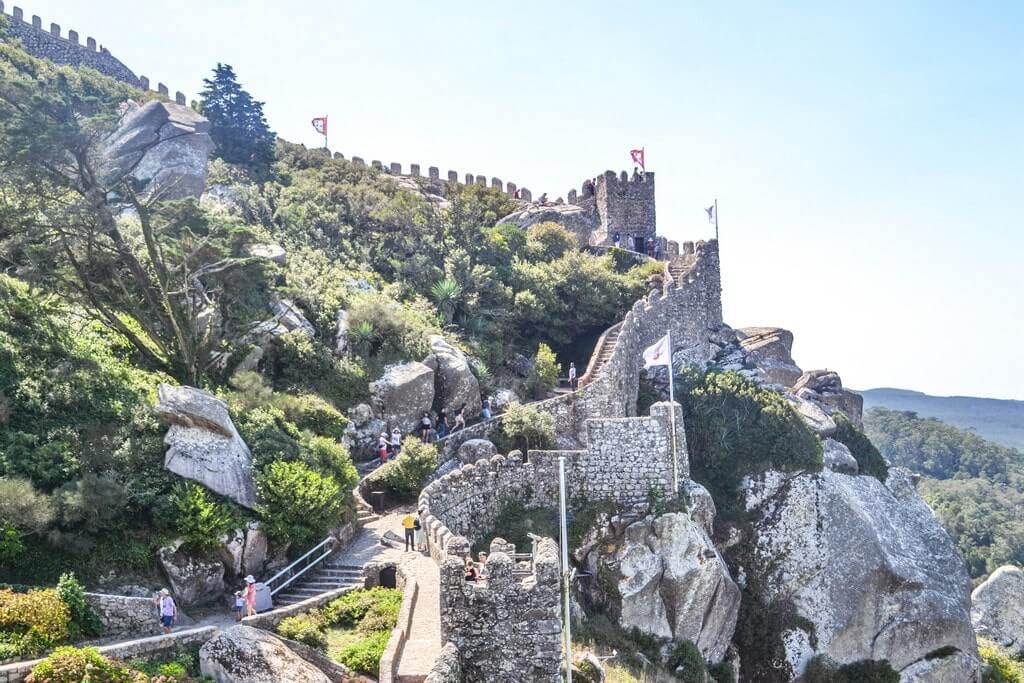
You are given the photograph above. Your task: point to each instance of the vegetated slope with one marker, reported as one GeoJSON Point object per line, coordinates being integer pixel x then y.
{"type": "Point", "coordinates": [975, 486]}
{"type": "Point", "coordinates": [995, 419]}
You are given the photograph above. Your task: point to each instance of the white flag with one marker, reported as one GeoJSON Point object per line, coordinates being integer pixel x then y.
{"type": "Point", "coordinates": [658, 354]}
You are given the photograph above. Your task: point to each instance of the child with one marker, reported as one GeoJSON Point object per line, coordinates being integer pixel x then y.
{"type": "Point", "coordinates": [239, 605]}
{"type": "Point", "coordinates": [382, 448]}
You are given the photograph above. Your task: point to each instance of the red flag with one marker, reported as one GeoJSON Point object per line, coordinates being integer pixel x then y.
{"type": "Point", "coordinates": [320, 123]}
{"type": "Point", "coordinates": [638, 157]}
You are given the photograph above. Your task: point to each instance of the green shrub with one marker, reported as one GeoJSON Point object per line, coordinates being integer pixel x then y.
{"type": "Point", "coordinates": [735, 428]}
{"type": "Point", "coordinates": [269, 435]}
{"type": "Point", "coordinates": [304, 628]}
{"type": "Point", "coordinates": [313, 413]}
{"type": "Point", "coordinates": [297, 503]}
{"type": "Point", "coordinates": [823, 670]}
{"type": "Point", "coordinates": [22, 508]}
{"type": "Point", "coordinates": [34, 621]}
{"type": "Point", "coordinates": [382, 616]}
{"type": "Point", "coordinates": [524, 427]}
{"type": "Point", "coordinates": [633, 645]}
{"type": "Point", "coordinates": [350, 608]}
{"type": "Point", "coordinates": [330, 457]}
{"type": "Point", "coordinates": [84, 622]}
{"type": "Point", "coordinates": [545, 371]}
{"type": "Point", "coordinates": [75, 665]}
{"type": "Point", "coordinates": [364, 655]}
{"type": "Point", "coordinates": [722, 672]}
{"type": "Point", "coordinates": [201, 521]}
{"type": "Point", "coordinates": [299, 364]}
{"type": "Point", "coordinates": [1000, 667]}
{"type": "Point", "coordinates": [686, 663]}
{"type": "Point", "coordinates": [549, 240]}
{"type": "Point", "coordinates": [869, 459]}
{"type": "Point", "coordinates": [405, 476]}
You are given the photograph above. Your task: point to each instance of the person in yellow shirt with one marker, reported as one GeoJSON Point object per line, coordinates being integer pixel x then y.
{"type": "Point", "coordinates": [409, 524]}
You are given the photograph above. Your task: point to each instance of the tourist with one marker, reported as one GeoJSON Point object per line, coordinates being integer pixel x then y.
{"type": "Point", "coordinates": [409, 525]}
{"type": "Point", "coordinates": [460, 419]}
{"type": "Point", "coordinates": [382, 447]}
{"type": "Point", "coordinates": [239, 605]}
{"type": "Point", "coordinates": [650, 247]}
{"type": "Point", "coordinates": [250, 596]}
{"type": "Point", "coordinates": [168, 610]}
{"type": "Point", "coordinates": [543, 201]}
{"type": "Point", "coordinates": [425, 428]}
{"type": "Point", "coordinates": [442, 424]}
{"type": "Point", "coordinates": [617, 240]}
{"type": "Point", "coordinates": [419, 536]}
{"type": "Point", "coordinates": [482, 571]}
{"type": "Point", "coordinates": [485, 408]}
{"type": "Point", "coordinates": [572, 376]}
{"type": "Point", "coordinates": [471, 572]}
{"type": "Point", "coordinates": [657, 250]}
{"type": "Point", "coordinates": [396, 441]}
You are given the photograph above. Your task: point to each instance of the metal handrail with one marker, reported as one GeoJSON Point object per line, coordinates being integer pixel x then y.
{"type": "Point", "coordinates": [330, 540]}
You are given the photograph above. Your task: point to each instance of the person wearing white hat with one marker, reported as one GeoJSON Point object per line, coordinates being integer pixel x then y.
{"type": "Point", "coordinates": [168, 610]}
{"type": "Point", "coordinates": [250, 596]}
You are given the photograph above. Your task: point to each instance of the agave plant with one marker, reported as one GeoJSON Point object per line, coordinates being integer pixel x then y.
{"type": "Point", "coordinates": [362, 335]}
{"type": "Point", "coordinates": [446, 293]}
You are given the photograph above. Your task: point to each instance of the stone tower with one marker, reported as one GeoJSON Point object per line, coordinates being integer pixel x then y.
{"type": "Point", "coordinates": [621, 203]}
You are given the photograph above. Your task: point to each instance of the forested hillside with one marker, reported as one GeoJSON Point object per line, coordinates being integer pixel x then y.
{"type": "Point", "coordinates": [976, 487]}
{"type": "Point", "coordinates": [109, 288]}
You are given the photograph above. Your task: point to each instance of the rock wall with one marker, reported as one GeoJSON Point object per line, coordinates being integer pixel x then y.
{"type": "Point", "coordinates": [506, 629]}
{"type": "Point", "coordinates": [125, 617]}
{"type": "Point", "coordinates": [48, 43]}
{"type": "Point", "coordinates": [625, 459]}
{"type": "Point", "coordinates": [447, 667]}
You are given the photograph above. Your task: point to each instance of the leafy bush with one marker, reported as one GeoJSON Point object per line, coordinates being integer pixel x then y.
{"type": "Point", "coordinates": [202, 522]}
{"type": "Point", "coordinates": [869, 460]}
{"type": "Point", "coordinates": [297, 503]}
{"type": "Point", "coordinates": [822, 670]}
{"type": "Point", "coordinates": [382, 616]}
{"type": "Point", "coordinates": [35, 620]}
{"type": "Point", "coordinates": [633, 645]}
{"type": "Point", "coordinates": [75, 665]}
{"type": "Point", "coordinates": [330, 457]}
{"type": "Point", "coordinates": [548, 241]}
{"type": "Point", "coordinates": [269, 435]}
{"type": "Point", "coordinates": [364, 655]}
{"type": "Point", "coordinates": [311, 412]}
{"type": "Point", "coordinates": [686, 663]}
{"type": "Point", "coordinates": [1000, 667]}
{"type": "Point", "coordinates": [23, 508]}
{"type": "Point", "coordinates": [735, 428]}
{"type": "Point", "coordinates": [405, 476]}
{"type": "Point", "coordinates": [350, 608]}
{"type": "Point", "coordinates": [400, 330]}
{"type": "Point", "coordinates": [84, 622]}
{"type": "Point", "coordinates": [524, 427]}
{"type": "Point", "coordinates": [545, 370]}
{"type": "Point", "coordinates": [304, 628]}
{"type": "Point", "coordinates": [297, 363]}
{"type": "Point", "coordinates": [182, 666]}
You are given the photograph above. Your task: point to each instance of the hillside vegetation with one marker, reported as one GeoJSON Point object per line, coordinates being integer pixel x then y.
{"type": "Point", "coordinates": [109, 290]}
{"type": "Point", "coordinates": [976, 487]}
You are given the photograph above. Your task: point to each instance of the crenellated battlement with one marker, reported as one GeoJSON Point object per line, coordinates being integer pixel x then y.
{"type": "Point", "coordinates": [49, 43]}
{"type": "Point", "coordinates": [433, 176]}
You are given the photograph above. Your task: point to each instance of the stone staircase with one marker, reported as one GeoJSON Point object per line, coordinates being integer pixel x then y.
{"type": "Point", "coordinates": [604, 354]}
{"type": "Point", "coordinates": [332, 574]}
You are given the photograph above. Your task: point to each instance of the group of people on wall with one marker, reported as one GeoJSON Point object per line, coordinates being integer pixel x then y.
{"type": "Point", "coordinates": [636, 243]}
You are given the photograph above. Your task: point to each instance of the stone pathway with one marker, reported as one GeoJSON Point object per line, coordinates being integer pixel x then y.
{"type": "Point", "coordinates": [424, 643]}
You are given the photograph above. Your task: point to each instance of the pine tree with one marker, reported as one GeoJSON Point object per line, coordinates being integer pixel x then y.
{"type": "Point", "coordinates": [239, 130]}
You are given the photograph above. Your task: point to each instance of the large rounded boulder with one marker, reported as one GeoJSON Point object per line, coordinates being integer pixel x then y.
{"type": "Point", "coordinates": [243, 654]}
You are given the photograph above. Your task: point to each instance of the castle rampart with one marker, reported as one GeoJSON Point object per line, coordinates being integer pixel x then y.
{"type": "Point", "coordinates": [433, 177]}
{"type": "Point", "coordinates": [51, 45]}
{"type": "Point", "coordinates": [623, 204]}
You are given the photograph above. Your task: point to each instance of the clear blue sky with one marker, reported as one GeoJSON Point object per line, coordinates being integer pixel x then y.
{"type": "Point", "coordinates": [868, 158]}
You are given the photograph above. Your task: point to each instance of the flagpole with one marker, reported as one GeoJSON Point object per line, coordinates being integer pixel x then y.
{"type": "Point", "coordinates": [566, 630]}
{"type": "Point", "coordinates": [672, 413]}
{"type": "Point", "coordinates": [716, 219]}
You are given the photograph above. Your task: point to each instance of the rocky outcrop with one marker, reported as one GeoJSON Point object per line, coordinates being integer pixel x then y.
{"type": "Point", "coordinates": [998, 608]}
{"type": "Point", "coordinates": [826, 388]}
{"type": "Point", "coordinates": [194, 580]}
{"type": "Point", "coordinates": [476, 449]}
{"type": "Point", "coordinates": [867, 564]}
{"type": "Point", "coordinates": [771, 350]}
{"type": "Point", "coordinates": [341, 333]}
{"type": "Point", "coordinates": [502, 399]}
{"type": "Point", "coordinates": [288, 315]}
{"type": "Point", "coordinates": [363, 430]}
{"type": "Point", "coordinates": [454, 381]}
{"type": "Point", "coordinates": [203, 444]}
{"type": "Point", "coordinates": [224, 198]}
{"type": "Point", "coordinates": [577, 220]}
{"type": "Point", "coordinates": [838, 457]}
{"type": "Point", "coordinates": [269, 252]}
{"type": "Point", "coordinates": [244, 551]}
{"type": "Point", "coordinates": [243, 654]}
{"type": "Point", "coordinates": [403, 394]}
{"type": "Point", "coordinates": [672, 582]}
{"type": "Point", "coordinates": [161, 144]}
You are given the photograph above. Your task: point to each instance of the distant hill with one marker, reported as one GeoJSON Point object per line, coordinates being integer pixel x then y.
{"type": "Point", "coordinates": [997, 420]}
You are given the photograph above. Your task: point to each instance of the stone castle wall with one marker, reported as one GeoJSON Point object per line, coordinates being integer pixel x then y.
{"type": "Point", "coordinates": [506, 629]}
{"type": "Point", "coordinates": [689, 306]}
{"type": "Point", "coordinates": [435, 179]}
{"type": "Point", "coordinates": [125, 617]}
{"type": "Point", "coordinates": [48, 43]}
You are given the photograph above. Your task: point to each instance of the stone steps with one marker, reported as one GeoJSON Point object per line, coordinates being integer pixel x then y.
{"type": "Point", "coordinates": [325, 578]}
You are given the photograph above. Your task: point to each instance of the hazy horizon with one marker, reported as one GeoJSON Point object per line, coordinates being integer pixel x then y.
{"type": "Point", "coordinates": [867, 160]}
